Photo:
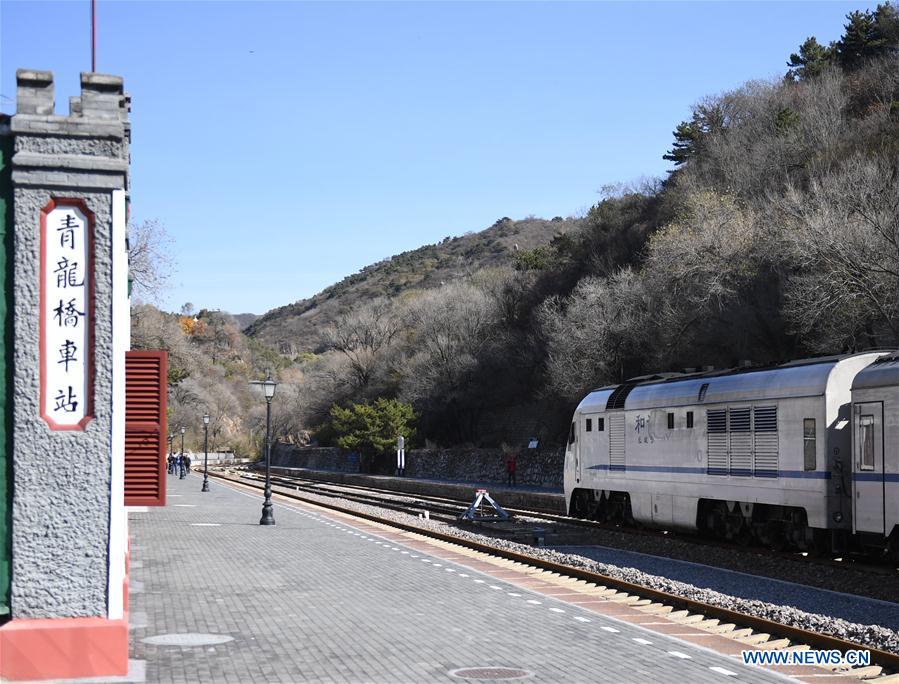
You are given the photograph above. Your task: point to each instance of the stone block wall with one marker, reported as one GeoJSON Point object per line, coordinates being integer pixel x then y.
{"type": "Point", "coordinates": [536, 467]}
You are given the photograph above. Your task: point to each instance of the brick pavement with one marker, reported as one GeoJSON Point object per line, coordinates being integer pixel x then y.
{"type": "Point", "coordinates": [317, 599]}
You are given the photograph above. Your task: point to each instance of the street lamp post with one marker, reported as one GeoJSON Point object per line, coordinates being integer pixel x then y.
{"type": "Point", "coordinates": [171, 468]}
{"type": "Point", "coordinates": [268, 386]}
{"type": "Point", "coordinates": [205, 453]}
{"type": "Point", "coordinates": [183, 469]}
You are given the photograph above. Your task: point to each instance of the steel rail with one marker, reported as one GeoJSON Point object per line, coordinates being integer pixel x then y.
{"type": "Point", "coordinates": [885, 659]}
{"type": "Point", "coordinates": [856, 564]}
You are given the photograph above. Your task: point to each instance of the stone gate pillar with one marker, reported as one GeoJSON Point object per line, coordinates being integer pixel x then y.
{"type": "Point", "coordinates": [68, 536]}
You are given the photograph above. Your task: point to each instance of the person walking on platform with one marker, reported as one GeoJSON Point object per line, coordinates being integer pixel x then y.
{"type": "Point", "coordinates": [187, 463]}
{"type": "Point", "coordinates": [170, 464]}
{"type": "Point", "coordinates": [179, 462]}
{"type": "Point", "coordinates": [511, 466]}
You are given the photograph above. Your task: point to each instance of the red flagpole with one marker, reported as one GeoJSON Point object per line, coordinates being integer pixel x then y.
{"type": "Point", "coordinates": [93, 35]}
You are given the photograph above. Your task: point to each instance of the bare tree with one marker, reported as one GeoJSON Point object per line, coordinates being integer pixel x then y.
{"type": "Point", "coordinates": [844, 234]}
{"type": "Point", "coordinates": [591, 335]}
{"type": "Point", "coordinates": [450, 328]}
{"type": "Point", "coordinates": [362, 337]}
{"type": "Point", "coordinates": [151, 260]}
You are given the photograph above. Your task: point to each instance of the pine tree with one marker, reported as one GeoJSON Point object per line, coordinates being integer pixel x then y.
{"type": "Point", "coordinates": [708, 117]}
{"type": "Point", "coordinates": [686, 137]}
{"type": "Point", "coordinates": [860, 42]}
{"type": "Point", "coordinates": [811, 59]}
{"type": "Point", "coordinates": [886, 28]}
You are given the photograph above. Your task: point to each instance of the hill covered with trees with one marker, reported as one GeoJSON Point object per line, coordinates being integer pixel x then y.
{"type": "Point", "coordinates": [775, 236]}
{"type": "Point", "coordinates": [298, 327]}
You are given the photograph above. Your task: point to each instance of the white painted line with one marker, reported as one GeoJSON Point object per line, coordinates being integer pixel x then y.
{"type": "Point", "coordinates": [449, 569]}
{"type": "Point", "coordinates": [512, 593]}
{"type": "Point", "coordinates": [186, 505]}
{"type": "Point", "coordinates": [462, 574]}
{"type": "Point", "coordinates": [535, 602]}
{"type": "Point", "coordinates": [611, 629]}
{"type": "Point", "coordinates": [425, 560]}
{"type": "Point", "coordinates": [493, 586]}
{"type": "Point", "coordinates": [557, 610]}
{"type": "Point", "coordinates": [479, 581]}
{"type": "Point", "coordinates": [205, 524]}
{"type": "Point", "coordinates": [405, 553]}
{"type": "Point", "coordinates": [645, 642]}
{"type": "Point", "coordinates": [437, 565]}
{"type": "Point", "coordinates": [721, 670]}
{"type": "Point", "coordinates": [678, 654]}
{"type": "Point", "coordinates": [582, 619]}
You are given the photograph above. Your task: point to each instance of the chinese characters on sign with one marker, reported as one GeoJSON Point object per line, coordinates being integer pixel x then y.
{"type": "Point", "coordinates": [65, 323]}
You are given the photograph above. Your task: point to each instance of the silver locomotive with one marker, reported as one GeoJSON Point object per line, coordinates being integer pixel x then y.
{"type": "Point", "coordinates": [805, 453]}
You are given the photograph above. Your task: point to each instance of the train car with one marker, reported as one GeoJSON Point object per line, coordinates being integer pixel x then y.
{"type": "Point", "coordinates": [875, 462]}
{"type": "Point", "coordinates": [755, 452]}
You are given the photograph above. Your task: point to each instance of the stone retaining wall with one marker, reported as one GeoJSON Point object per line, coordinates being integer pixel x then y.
{"type": "Point", "coordinates": [539, 468]}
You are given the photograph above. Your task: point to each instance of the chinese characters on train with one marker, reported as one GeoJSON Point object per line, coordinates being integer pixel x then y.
{"type": "Point", "coordinates": [66, 349]}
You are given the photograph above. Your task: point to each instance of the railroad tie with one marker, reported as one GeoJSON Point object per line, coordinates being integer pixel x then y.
{"type": "Point", "coordinates": [866, 672]}
{"type": "Point", "coordinates": [656, 609]}
{"type": "Point", "coordinates": [754, 639]}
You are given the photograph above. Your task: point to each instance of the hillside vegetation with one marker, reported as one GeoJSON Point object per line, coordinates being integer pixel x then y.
{"type": "Point", "coordinates": [298, 327]}
{"type": "Point", "coordinates": [775, 236]}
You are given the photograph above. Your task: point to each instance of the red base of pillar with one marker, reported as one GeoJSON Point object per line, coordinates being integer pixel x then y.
{"type": "Point", "coordinates": [63, 648]}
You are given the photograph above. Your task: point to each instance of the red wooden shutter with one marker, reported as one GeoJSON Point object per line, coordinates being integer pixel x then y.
{"type": "Point", "coordinates": [146, 375]}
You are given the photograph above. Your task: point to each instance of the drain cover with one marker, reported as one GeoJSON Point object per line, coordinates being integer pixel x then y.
{"type": "Point", "coordinates": [188, 639]}
{"type": "Point", "coordinates": [491, 673]}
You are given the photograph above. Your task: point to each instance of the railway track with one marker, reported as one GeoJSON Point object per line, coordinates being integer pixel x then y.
{"type": "Point", "coordinates": [752, 631]}
{"type": "Point", "coordinates": [564, 530]}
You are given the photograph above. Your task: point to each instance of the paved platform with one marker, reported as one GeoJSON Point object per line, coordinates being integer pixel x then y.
{"type": "Point", "coordinates": [215, 597]}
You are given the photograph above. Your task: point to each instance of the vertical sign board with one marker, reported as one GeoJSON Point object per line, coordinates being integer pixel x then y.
{"type": "Point", "coordinates": [67, 228]}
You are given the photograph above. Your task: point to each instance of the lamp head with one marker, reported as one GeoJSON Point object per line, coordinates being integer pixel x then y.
{"type": "Point", "coordinates": [205, 419]}
{"type": "Point", "coordinates": [268, 386]}
{"type": "Point", "coordinates": [183, 430]}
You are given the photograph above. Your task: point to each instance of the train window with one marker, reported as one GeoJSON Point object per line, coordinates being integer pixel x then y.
{"type": "Point", "coordinates": [809, 444]}
{"type": "Point", "coordinates": [703, 390]}
{"type": "Point", "coordinates": [600, 424]}
{"type": "Point", "coordinates": [571, 434]}
{"type": "Point", "coordinates": [670, 421]}
{"type": "Point", "coordinates": [588, 425]}
{"type": "Point", "coordinates": [866, 442]}
{"type": "Point", "coordinates": [689, 419]}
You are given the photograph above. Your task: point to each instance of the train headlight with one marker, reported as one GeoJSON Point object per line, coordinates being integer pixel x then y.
{"type": "Point", "coordinates": [838, 517]}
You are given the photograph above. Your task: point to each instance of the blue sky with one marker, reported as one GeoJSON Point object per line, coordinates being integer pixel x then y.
{"type": "Point", "coordinates": [285, 145]}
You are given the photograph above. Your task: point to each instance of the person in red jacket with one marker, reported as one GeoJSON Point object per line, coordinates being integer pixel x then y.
{"type": "Point", "coordinates": [511, 466]}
